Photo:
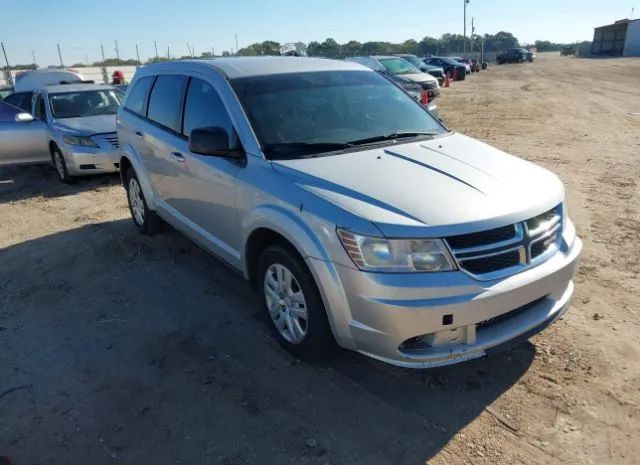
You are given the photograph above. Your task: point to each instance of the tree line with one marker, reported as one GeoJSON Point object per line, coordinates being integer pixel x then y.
{"type": "Point", "coordinates": [448, 43]}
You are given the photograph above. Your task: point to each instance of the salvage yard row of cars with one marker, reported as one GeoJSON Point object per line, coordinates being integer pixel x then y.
{"type": "Point", "coordinates": [280, 167]}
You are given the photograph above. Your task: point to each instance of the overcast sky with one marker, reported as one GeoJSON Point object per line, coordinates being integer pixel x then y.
{"type": "Point", "coordinates": [80, 26]}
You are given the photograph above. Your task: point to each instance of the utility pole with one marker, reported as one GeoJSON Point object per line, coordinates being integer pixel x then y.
{"type": "Point", "coordinates": [155, 44]}
{"type": "Point", "coordinates": [473, 30]}
{"type": "Point", "coordinates": [117, 51]}
{"type": "Point", "coordinates": [60, 55]}
{"type": "Point", "coordinates": [236, 44]}
{"type": "Point", "coordinates": [7, 74]}
{"type": "Point", "coordinates": [213, 52]}
{"type": "Point", "coordinates": [33, 54]}
{"type": "Point", "coordinates": [167, 52]}
{"type": "Point", "coordinates": [102, 51]}
{"type": "Point", "coordinates": [466, 2]}
{"type": "Point", "coordinates": [86, 59]}
{"type": "Point", "coordinates": [138, 54]}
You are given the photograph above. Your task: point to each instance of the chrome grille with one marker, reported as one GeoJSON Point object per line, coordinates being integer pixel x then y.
{"type": "Point", "coordinates": [506, 250]}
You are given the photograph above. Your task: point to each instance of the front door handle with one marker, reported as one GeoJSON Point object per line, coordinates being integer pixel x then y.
{"type": "Point", "coordinates": [140, 135]}
{"type": "Point", "coordinates": [177, 156]}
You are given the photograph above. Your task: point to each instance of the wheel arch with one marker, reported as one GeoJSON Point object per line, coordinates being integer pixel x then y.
{"type": "Point", "coordinates": [273, 223]}
{"type": "Point", "coordinates": [129, 160]}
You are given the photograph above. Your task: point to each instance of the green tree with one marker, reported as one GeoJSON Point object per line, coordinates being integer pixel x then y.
{"type": "Point", "coordinates": [375, 48]}
{"type": "Point", "coordinates": [351, 49]}
{"type": "Point", "coordinates": [428, 46]}
{"type": "Point", "coordinates": [408, 46]}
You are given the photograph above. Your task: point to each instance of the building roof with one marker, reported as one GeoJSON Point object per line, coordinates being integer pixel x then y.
{"type": "Point", "coordinates": [236, 67]}
{"type": "Point", "coordinates": [618, 23]}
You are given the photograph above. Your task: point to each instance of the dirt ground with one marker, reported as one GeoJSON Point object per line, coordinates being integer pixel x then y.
{"type": "Point", "coordinates": [116, 348]}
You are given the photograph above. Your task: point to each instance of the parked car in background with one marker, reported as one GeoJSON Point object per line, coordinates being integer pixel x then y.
{"type": "Point", "coordinates": [22, 137]}
{"type": "Point", "coordinates": [416, 87]}
{"type": "Point", "coordinates": [515, 55]}
{"type": "Point", "coordinates": [472, 63]}
{"type": "Point", "coordinates": [75, 128]}
{"type": "Point", "coordinates": [356, 215]}
{"type": "Point", "coordinates": [26, 82]}
{"type": "Point", "coordinates": [436, 71]}
{"type": "Point", "coordinates": [449, 65]}
{"type": "Point", "coordinates": [400, 67]}
{"type": "Point", "coordinates": [467, 66]}
{"type": "Point", "coordinates": [568, 50]}
{"type": "Point", "coordinates": [38, 78]}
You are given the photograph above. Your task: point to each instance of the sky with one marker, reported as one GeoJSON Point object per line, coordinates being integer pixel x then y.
{"type": "Point", "coordinates": [81, 26]}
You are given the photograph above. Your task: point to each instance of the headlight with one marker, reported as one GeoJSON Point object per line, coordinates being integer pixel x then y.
{"type": "Point", "coordinates": [82, 141]}
{"type": "Point", "coordinates": [396, 255]}
{"type": "Point", "coordinates": [412, 89]}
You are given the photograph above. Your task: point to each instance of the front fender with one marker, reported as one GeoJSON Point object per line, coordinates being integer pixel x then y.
{"type": "Point", "coordinates": [314, 250]}
{"type": "Point", "coordinates": [289, 225]}
{"type": "Point", "coordinates": [129, 153]}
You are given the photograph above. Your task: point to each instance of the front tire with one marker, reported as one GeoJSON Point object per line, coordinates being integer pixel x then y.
{"type": "Point", "coordinates": [143, 217]}
{"type": "Point", "coordinates": [60, 165]}
{"type": "Point", "coordinates": [294, 305]}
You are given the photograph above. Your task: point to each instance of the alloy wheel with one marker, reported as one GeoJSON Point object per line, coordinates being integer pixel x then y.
{"type": "Point", "coordinates": [136, 202]}
{"type": "Point", "coordinates": [286, 303]}
{"type": "Point", "coordinates": [59, 162]}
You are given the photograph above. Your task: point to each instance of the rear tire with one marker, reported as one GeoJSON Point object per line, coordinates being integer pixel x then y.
{"type": "Point", "coordinates": [60, 165]}
{"type": "Point", "coordinates": [293, 304]}
{"type": "Point", "coordinates": [145, 219]}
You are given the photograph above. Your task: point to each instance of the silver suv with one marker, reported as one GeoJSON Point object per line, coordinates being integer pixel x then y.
{"type": "Point", "coordinates": [356, 215]}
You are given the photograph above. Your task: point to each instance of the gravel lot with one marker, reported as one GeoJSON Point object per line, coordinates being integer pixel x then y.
{"type": "Point", "coordinates": [116, 348]}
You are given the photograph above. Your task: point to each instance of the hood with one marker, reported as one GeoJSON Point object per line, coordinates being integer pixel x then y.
{"type": "Point", "coordinates": [452, 184]}
{"type": "Point", "coordinates": [87, 125]}
{"type": "Point", "coordinates": [418, 77]}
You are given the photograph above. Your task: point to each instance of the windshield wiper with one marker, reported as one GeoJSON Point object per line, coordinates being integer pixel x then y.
{"type": "Point", "coordinates": [292, 150]}
{"type": "Point", "coordinates": [392, 136]}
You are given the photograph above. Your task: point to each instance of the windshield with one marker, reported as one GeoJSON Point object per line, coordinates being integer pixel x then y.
{"type": "Point", "coordinates": [449, 61]}
{"type": "Point", "coordinates": [415, 61]}
{"type": "Point", "coordinates": [85, 103]}
{"type": "Point", "coordinates": [398, 66]}
{"type": "Point", "coordinates": [301, 114]}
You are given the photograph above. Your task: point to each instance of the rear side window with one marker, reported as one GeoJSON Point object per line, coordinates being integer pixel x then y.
{"type": "Point", "coordinates": [203, 107]}
{"type": "Point", "coordinates": [8, 113]}
{"type": "Point", "coordinates": [21, 100]}
{"type": "Point", "coordinates": [137, 100]}
{"type": "Point", "coordinates": [165, 101]}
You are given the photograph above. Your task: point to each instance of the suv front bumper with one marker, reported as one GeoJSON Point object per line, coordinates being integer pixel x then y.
{"type": "Point", "coordinates": [423, 320]}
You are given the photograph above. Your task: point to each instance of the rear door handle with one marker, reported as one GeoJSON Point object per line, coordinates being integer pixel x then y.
{"type": "Point", "coordinates": [140, 135]}
{"type": "Point", "coordinates": [177, 156]}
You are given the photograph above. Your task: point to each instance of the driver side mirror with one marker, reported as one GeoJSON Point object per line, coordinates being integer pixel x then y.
{"type": "Point", "coordinates": [24, 118]}
{"type": "Point", "coordinates": [214, 141]}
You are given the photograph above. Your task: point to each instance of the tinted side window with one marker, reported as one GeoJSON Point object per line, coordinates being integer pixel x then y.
{"type": "Point", "coordinates": [203, 107]}
{"type": "Point", "coordinates": [137, 100]}
{"type": "Point", "coordinates": [7, 112]}
{"type": "Point", "coordinates": [21, 100]}
{"type": "Point", "coordinates": [165, 101]}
